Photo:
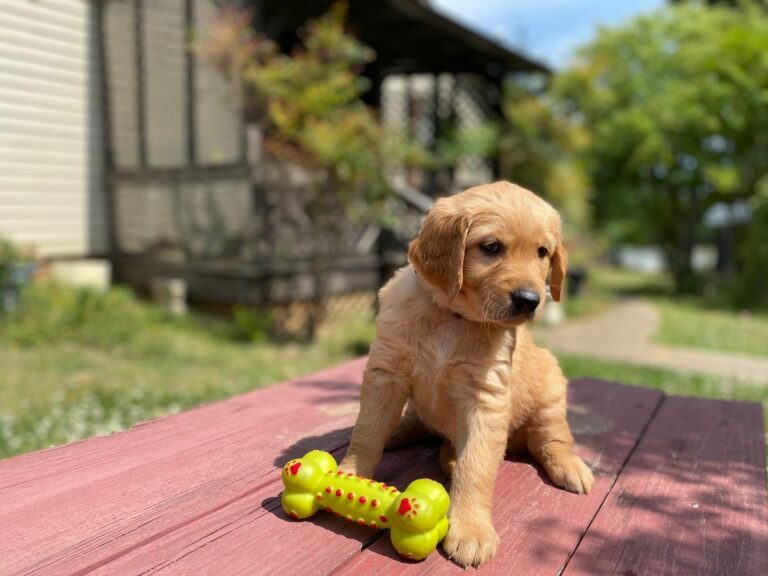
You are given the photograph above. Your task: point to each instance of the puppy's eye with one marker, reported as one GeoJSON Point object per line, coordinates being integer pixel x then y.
{"type": "Point", "coordinates": [490, 248]}
{"type": "Point", "coordinates": [543, 252]}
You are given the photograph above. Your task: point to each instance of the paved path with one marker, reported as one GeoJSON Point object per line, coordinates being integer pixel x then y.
{"type": "Point", "coordinates": [623, 333]}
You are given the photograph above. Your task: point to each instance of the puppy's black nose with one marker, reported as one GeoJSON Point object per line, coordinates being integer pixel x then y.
{"type": "Point", "coordinates": [525, 301]}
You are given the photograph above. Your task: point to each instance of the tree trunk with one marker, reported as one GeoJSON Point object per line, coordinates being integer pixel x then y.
{"type": "Point", "coordinates": [686, 280]}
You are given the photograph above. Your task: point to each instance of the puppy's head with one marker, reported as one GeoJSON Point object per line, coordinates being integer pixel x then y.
{"type": "Point", "coordinates": [487, 253]}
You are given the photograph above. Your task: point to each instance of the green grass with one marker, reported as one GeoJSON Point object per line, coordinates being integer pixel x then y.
{"type": "Point", "coordinates": [77, 363]}
{"type": "Point", "coordinates": [687, 323]}
{"type": "Point", "coordinates": [605, 285]}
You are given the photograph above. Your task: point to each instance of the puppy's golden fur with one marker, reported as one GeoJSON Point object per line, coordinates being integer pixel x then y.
{"type": "Point", "coordinates": [452, 344]}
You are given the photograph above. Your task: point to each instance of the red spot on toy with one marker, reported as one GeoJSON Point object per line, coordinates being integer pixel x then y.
{"type": "Point", "coordinates": [293, 514]}
{"type": "Point", "coordinates": [405, 506]}
{"type": "Point", "coordinates": [350, 474]}
{"type": "Point", "coordinates": [351, 496]}
{"type": "Point", "coordinates": [328, 489]}
{"type": "Point", "coordinates": [295, 468]}
{"type": "Point", "coordinates": [383, 518]}
{"type": "Point", "coordinates": [319, 496]}
{"type": "Point", "coordinates": [363, 499]}
{"type": "Point", "coordinates": [339, 492]}
{"type": "Point", "coordinates": [374, 503]}
{"type": "Point", "coordinates": [384, 486]}
{"type": "Point", "coordinates": [328, 509]}
{"type": "Point", "coordinates": [374, 525]}
{"type": "Point", "coordinates": [361, 522]}
{"type": "Point", "coordinates": [339, 473]}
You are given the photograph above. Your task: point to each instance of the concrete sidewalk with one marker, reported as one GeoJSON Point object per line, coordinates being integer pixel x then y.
{"type": "Point", "coordinates": [623, 333]}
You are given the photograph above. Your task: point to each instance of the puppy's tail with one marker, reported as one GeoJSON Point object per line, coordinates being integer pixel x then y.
{"type": "Point", "coordinates": [411, 431]}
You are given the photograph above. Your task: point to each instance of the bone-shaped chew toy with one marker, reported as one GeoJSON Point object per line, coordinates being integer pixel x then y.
{"type": "Point", "coordinates": [417, 518]}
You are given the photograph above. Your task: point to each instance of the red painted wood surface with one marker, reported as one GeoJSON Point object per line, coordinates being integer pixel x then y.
{"type": "Point", "coordinates": [197, 493]}
{"type": "Point", "coordinates": [77, 507]}
{"type": "Point", "coordinates": [245, 539]}
{"type": "Point", "coordinates": [691, 499]}
{"type": "Point", "coordinates": [539, 524]}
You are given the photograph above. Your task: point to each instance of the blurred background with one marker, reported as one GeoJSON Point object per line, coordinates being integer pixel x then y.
{"type": "Point", "coordinates": [201, 197]}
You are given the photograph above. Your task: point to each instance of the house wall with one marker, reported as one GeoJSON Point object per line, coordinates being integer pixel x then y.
{"type": "Point", "coordinates": [160, 102]}
{"type": "Point", "coordinates": [51, 160]}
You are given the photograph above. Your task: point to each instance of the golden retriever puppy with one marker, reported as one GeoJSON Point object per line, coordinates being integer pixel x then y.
{"type": "Point", "coordinates": [452, 342]}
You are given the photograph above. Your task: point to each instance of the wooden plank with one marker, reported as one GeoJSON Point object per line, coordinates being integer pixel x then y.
{"type": "Point", "coordinates": [254, 535]}
{"type": "Point", "coordinates": [691, 499]}
{"type": "Point", "coordinates": [540, 525]}
{"type": "Point", "coordinates": [607, 419]}
{"type": "Point", "coordinates": [124, 490]}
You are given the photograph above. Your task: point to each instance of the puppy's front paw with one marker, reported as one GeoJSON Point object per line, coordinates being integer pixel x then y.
{"type": "Point", "coordinates": [358, 466]}
{"type": "Point", "coordinates": [568, 471]}
{"type": "Point", "coordinates": [471, 543]}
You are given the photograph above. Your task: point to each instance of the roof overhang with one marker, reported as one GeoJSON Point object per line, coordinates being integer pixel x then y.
{"type": "Point", "coordinates": [407, 35]}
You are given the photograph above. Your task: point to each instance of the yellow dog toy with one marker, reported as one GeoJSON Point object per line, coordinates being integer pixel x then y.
{"type": "Point", "coordinates": [417, 518]}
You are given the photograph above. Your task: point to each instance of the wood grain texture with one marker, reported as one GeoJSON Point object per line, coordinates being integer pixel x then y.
{"type": "Point", "coordinates": [539, 524]}
{"type": "Point", "coordinates": [76, 507]}
{"type": "Point", "coordinates": [197, 493]}
{"type": "Point", "coordinates": [691, 499]}
{"type": "Point", "coordinates": [255, 536]}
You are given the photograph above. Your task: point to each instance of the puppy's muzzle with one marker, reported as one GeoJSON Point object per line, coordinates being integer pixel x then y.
{"type": "Point", "coordinates": [524, 302]}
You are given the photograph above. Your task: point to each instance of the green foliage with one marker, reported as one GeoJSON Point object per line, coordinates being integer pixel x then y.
{"type": "Point", "coordinates": [250, 324]}
{"type": "Point", "coordinates": [677, 104]}
{"type": "Point", "coordinates": [750, 287]}
{"type": "Point", "coordinates": [453, 144]}
{"type": "Point", "coordinates": [10, 256]}
{"type": "Point", "coordinates": [50, 312]}
{"type": "Point", "coordinates": [310, 105]}
{"type": "Point", "coordinates": [539, 149]}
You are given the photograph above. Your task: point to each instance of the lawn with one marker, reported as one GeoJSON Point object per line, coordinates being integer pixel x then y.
{"type": "Point", "coordinates": [76, 364]}
{"type": "Point", "coordinates": [687, 323]}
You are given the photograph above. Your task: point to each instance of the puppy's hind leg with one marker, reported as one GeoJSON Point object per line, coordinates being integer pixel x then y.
{"type": "Point", "coordinates": [382, 399]}
{"type": "Point", "coordinates": [448, 458]}
{"type": "Point", "coordinates": [410, 431]}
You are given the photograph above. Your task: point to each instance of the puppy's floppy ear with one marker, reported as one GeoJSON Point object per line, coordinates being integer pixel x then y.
{"type": "Point", "coordinates": [437, 253]}
{"type": "Point", "coordinates": [559, 266]}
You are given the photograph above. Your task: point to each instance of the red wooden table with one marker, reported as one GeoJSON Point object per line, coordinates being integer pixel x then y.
{"type": "Point", "coordinates": [680, 489]}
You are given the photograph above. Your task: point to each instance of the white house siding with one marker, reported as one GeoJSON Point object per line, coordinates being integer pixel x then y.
{"type": "Point", "coordinates": [51, 160]}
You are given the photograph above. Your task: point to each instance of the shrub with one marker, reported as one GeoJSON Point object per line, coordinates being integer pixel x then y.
{"type": "Point", "coordinates": [251, 325]}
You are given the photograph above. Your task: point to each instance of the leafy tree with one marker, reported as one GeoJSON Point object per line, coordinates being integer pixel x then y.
{"type": "Point", "coordinates": [309, 105]}
{"type": "Point", "coordinates": [309, 102]}
{"type": "Point", "coordinates": [677, 105]}
{"type": "Point", "coordinates": [539, 149]}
